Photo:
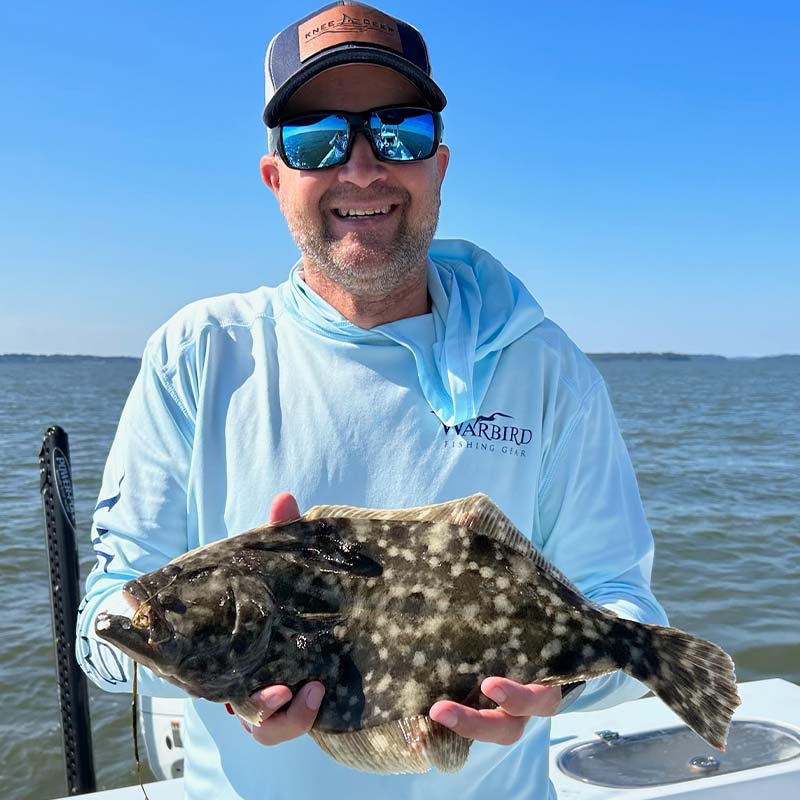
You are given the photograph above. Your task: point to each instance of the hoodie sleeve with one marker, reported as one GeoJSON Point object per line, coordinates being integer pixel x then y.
{"type": "Point", "coordinates": [593, 528]}
{"type": "Point", "coordinates": [140, 521]}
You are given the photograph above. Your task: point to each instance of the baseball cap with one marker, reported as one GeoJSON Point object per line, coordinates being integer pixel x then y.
{"type": "Point", "coordinates": [344, 33]}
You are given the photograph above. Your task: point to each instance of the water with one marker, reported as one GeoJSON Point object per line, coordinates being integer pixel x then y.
{"type": "Point", "coordinates": [716, 446]}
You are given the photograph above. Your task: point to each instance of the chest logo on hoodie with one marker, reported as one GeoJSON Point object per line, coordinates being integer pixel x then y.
{"type": "Point", "coordinates": [494, 433]}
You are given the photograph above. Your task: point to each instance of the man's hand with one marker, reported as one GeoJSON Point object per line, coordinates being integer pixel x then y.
{"type": "Point", "coordinates": [297, 719]}
{"type": "Point", "coordinates": [504, 725]}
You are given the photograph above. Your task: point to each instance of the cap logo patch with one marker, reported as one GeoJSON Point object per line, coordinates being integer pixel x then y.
{"type": "Point", "coordinates": [346, 24]}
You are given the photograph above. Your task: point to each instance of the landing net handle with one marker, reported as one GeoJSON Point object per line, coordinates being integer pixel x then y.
{"type": "Point", "coordinates": [55, 485]}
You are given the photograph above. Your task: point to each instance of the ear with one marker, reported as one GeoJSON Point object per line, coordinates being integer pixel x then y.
{"type": "Point", "coordinates": [442, 160]}
{"type": "Point", "coordinates": [270, 173]}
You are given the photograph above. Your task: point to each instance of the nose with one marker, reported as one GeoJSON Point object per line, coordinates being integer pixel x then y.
{"type": "Point", "coordinates": [362, 168]}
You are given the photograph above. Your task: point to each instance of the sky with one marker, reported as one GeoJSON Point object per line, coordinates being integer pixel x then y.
{"type": "Point", "coordinates": [635, 162]}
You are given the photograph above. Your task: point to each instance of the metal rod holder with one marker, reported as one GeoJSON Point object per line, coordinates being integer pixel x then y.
{"type": "Point", "coordinates": [55, 486]}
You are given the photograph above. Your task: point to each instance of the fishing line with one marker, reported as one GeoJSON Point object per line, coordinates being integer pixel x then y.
{"type": "Point", "coordinates": [134, 705]}
{"type": "Point", "coordinates": [146, 605]}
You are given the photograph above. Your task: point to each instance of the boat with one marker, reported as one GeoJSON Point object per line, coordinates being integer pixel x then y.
{"type": "Point", "coordinates": [639, 750]}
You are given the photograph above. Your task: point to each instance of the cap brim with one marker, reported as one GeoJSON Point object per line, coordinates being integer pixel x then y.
{"type": "Point", "coordinates": [431, 93]}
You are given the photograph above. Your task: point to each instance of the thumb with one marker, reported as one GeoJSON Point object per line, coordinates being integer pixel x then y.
{"type": "Point", "coordinates": [284, 508]}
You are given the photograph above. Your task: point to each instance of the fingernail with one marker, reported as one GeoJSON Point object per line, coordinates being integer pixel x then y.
{"type": "Point", "coordinates": [497, 694]}
{"type": "Point", "coordinates": [314, 697]}
{"type": "Point", "coordinates": [229, 709]}
{"type": "Point", "coordinates": [275, 701]}
{"type": "Point", "coordinates": [447, 718]}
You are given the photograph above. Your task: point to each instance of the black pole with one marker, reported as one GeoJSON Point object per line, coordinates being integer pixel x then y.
{"type": "Point", "coordinates": [55, 485]}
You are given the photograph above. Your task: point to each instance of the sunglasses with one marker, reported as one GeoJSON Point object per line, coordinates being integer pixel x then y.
{"type": "Point", "coordinates": [325, 139]}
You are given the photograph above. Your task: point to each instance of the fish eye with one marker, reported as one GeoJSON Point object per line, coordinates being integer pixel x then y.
{"type": "Point", "coordinates": [197, 575]}
{"type": "Point", "coordinates": [171, 570]}
{"type": "Point", "coordinates": [171, 603]}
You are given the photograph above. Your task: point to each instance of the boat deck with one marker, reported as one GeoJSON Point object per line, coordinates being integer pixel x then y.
{"type": "Point", "coordinates": [774, 700]}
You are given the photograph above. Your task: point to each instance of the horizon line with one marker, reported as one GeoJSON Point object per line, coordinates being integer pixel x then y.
{"type": "Point", "coordinates": [656, 353]}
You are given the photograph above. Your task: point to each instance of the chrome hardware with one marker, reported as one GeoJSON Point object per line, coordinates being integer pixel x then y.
{"type": "Point", "coordinates": [704, 763]}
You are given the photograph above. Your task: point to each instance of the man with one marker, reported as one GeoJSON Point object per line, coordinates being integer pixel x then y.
{"type": "Point", "coordinates": [390, 370]}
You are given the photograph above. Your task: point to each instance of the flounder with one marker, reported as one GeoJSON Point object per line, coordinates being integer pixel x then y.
{"type": "Point", "coordinates": [393, 610]}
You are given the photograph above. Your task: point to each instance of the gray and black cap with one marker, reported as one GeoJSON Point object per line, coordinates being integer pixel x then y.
{"type": "Point", "coordinates": [344, 33]}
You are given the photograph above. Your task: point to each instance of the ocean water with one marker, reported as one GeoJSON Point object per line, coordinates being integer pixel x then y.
{"type": "Point", "coordinates": [715, 444]}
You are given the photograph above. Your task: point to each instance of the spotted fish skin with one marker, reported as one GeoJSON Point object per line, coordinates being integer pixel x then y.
{"type": "Point", "coordinates": [449, 609]}
{"type": "Point", "coordinates": [393, 611]}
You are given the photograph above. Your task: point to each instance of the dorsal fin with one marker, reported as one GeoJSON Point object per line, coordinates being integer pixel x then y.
{"type": "Point", "coordinates": [412, 744]}
{"type": "Point", "coordinates": [476, 512]}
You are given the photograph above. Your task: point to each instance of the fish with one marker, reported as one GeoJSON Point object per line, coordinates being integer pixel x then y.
{"type": "Point", "coordinates": [392, 610]}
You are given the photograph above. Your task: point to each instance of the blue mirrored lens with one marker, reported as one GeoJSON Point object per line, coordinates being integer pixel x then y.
{"type": "Point", "coordinates": [315, 141]}
{"type": "Point", "coordinates": [403, 134]}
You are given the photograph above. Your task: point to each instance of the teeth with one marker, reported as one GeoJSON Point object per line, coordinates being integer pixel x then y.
{"type": "Point", "coordinates": [361, 212]}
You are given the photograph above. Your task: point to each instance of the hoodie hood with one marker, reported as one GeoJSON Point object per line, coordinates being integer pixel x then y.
{"type": "Point", "coordinates": [477, 308]}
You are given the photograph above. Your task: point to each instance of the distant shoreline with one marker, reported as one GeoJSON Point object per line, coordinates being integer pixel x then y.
{"type": "Point", "coordinates": [56, 358]}
{"type": "Point", "coordinates": [28, 358]}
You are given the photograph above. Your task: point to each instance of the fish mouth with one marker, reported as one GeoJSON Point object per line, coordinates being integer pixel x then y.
{"type": "Point", "coordinates": [148, 617]}
{"type": "Point", "coordinates": [121, 632]}
{"type": "Point", "coordinates": [134, 593]}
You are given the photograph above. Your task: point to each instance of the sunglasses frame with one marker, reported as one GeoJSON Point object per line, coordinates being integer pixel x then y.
{"type": "Point", "coordinates": [358, 122]}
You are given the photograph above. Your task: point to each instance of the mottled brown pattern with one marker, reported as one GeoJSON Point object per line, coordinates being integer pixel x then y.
{"type": "Point", "coordinates": [391, 616]}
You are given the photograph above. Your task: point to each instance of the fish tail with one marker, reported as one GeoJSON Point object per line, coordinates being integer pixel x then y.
{"type": "Point", "coordinates": [694, 677]}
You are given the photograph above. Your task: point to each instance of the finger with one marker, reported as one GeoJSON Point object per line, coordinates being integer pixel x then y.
{"type": "Point", "coordinates": [492, 725]}
{"type": "Point", "coordinates": [284, 508]}
{"type": "Point", "coordinates": [522, 700]}
{"type": "Point", "coordinates": [269, 700]}
{"type": "Point", "coordinates": [295, 721]}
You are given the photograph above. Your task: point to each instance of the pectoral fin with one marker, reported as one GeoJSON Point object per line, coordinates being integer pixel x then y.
{"type": "Point", "coordinates": [412, 744]}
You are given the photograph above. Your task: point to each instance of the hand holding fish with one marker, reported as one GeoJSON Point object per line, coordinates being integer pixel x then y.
{"type": "Point", "coordinates": [294, 721]}
{"type": "Point", "coordinates": [298, 718]}
{"type": "Point", "coordinates": [517, 703]}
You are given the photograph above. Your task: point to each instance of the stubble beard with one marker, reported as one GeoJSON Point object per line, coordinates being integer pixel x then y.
{"type": "Point", "coordinates": [366, 266]}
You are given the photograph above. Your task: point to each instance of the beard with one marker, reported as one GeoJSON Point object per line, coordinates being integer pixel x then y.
{"type": "Point", "coordinates": [366, 264]}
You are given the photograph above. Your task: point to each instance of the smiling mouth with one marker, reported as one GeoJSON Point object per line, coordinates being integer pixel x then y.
{"type": "Point", "coordinates": [363, 214]}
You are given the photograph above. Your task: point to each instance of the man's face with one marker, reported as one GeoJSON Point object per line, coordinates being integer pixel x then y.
{"type": "Point", "coordinates": [365, 256]}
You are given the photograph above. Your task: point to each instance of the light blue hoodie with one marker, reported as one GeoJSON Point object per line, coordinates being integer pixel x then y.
{"type": "Point", "coordinates": [243, 396]}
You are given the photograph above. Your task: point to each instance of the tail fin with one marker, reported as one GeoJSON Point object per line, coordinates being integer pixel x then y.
{"type": "Point", "coordinates": [695, 678]}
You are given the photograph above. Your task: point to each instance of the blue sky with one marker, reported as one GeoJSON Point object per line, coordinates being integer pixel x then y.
{"type": "Point", "coordinates": [634, 161]}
